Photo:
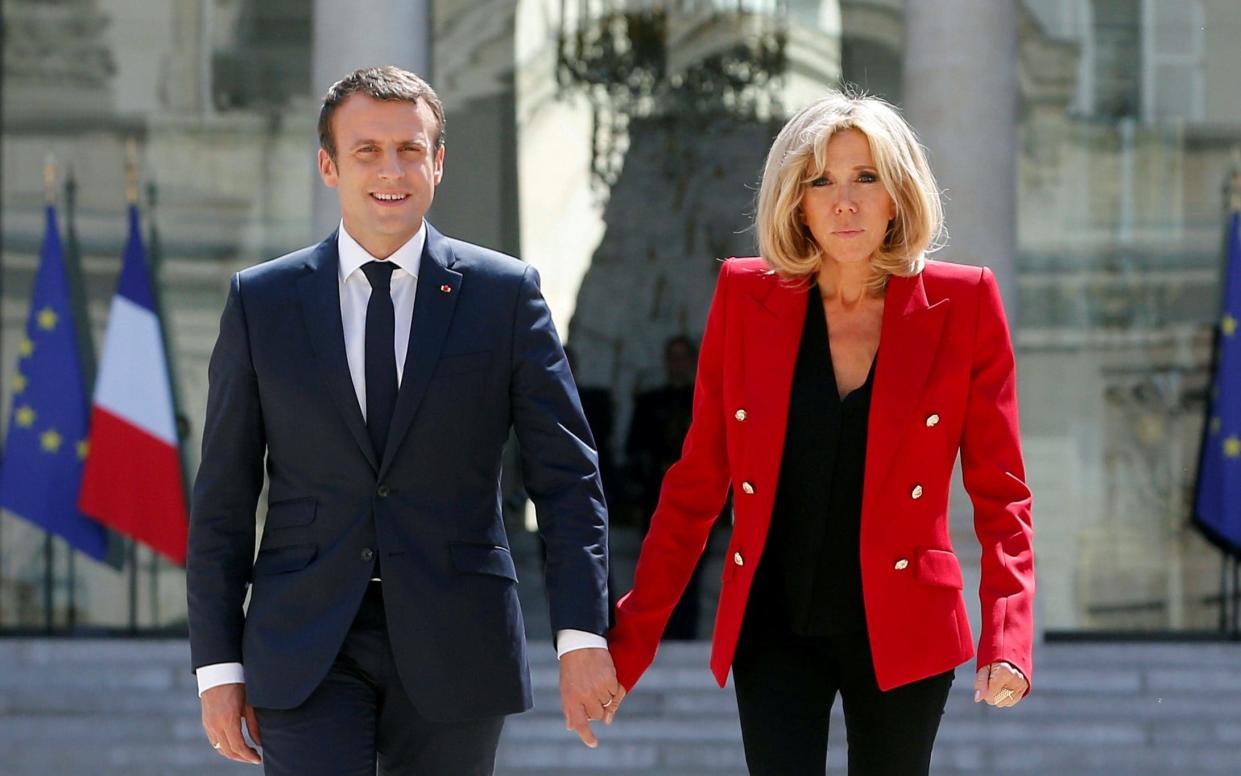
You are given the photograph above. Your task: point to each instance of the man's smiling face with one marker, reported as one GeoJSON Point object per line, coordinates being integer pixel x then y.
{"type": "Point", "coordinates": [387, 166]}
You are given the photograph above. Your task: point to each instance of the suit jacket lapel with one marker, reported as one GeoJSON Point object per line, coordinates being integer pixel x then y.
{"type": "Point", "coordinates": [907, 347]}
{"type": "Point", "coordinates": [773, 323]}
{"type": "Point", "coordinates": [319, 293]}
{"type": "Point", "coordinates": [435, 298]}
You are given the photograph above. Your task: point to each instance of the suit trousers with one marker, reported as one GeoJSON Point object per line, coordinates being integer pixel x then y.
{"type": "Point", "coordinates": [786, 685]}
{"type": "Point", "coordinates": [360, 715]}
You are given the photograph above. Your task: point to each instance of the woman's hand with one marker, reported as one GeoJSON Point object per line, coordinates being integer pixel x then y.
{"type": "Point", "coordinates": [1000, 684]}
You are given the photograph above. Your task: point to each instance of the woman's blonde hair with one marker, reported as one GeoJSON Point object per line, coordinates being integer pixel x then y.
{"type": "Point", "coordinates": [799, 154]}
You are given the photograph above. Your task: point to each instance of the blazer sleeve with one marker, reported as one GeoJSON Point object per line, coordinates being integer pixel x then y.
{"type": "Point", "coordinates": [226, 492]}
{"type": "Point", "coordinates": [560, 467]}
{"type": "Point", "coordinates": [994, 476]}
{"type": "Point", "coordinates": [693, 493]}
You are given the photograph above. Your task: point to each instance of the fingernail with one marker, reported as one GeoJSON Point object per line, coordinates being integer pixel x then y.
{"type": "Point", "coordinates": [977, 696]}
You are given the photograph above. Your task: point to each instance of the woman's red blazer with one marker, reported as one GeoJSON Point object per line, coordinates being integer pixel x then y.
{"type": "Point", "coordinates": [944, 382]}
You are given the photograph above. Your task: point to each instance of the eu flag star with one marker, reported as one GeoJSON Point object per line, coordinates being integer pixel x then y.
{"type": "Point", "coordinates": [1232, 447]}
{"type": "Point", "coordinates": [47, 319]}
{"type": "Point", "coordinates": [25, 347]}
{"type": "Point", "coordinates": [19, 382]}
{"type": "Point", "coordinates": [1228, 325]}
{"type": "Point", "coordinates": [83, 449]}
{"type": "Point", "coordinates": [25, 416]}
{"type": "Point", "coordinates": [50, 440]}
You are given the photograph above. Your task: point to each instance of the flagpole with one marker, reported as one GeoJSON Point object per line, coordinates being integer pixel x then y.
{"type": "Point", "coordinates": [1236, 596]}
{"type": "Point", "coordinates": [1223, 592]}
{"type": "Point", "coordinates": [155, 261]}
{"type": "Point", "coordinates": [131, 197]}
{"type": "Point", "coordinates": [49, 549]}
{"type": "Point", "coordinates": [1233, 602]}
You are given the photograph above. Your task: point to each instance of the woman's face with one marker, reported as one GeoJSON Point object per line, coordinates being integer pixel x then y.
{"type": "Point", "coordinates": [845, 206]}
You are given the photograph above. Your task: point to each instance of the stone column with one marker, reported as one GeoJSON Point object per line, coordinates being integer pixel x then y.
{"type": "Point", "coordinates": [960, 91]}
{"type": "Point", "coordinates": [960, 94]}
{"type": "Point", "coordinates": [360, 34]}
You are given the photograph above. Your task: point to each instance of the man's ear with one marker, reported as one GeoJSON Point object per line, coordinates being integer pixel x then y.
{"type": "Point", "coordinates": [327, 169]}
{"type": "Point", "coordinates": [439, 165]}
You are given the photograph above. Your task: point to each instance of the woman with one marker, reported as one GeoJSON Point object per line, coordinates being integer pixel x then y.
{"type": "Point", "coordinates": [839, 376]}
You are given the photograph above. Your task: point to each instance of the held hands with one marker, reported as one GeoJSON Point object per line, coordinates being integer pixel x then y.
{"type": "Point", "coordinates": [1000, 684]}
{"type": "Point", "coordinates": [589, 691]}
{"type": "Point", "coordinates": [224, 706]}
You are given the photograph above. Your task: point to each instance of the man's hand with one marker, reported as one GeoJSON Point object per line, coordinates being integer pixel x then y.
{"type": "Point", "coordinates": [1000, 684]}
{"type": "Point", "coordinates": [588, 691]}
{"type": "Point", "coordinates": [224, 706]}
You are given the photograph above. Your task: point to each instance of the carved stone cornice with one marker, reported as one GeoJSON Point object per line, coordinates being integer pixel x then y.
{"type": "Point", "coordinates": [56, 59]}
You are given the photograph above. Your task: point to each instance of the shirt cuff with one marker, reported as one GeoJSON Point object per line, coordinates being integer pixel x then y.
{"type": "Point", "coordinates": [569, 640]}
{"type": "Point", "coordinates": [217, 674]}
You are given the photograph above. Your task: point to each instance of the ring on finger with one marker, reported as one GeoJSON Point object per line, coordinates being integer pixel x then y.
{"type": "Point", "coordinates": [609, 703]}
{"type": "Point", "coordinates": [1003, 695]}
{"type": "Point", "coordinates": [217, 746]}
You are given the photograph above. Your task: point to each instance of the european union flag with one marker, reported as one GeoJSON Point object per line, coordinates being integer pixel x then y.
{"type": "Point", "coordinates": [47, 437]}
{"type": "Point", "coordinates": [1217, 507]}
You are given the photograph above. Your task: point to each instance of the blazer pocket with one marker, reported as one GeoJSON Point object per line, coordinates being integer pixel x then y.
{"type": "Point", "coordinates": [462, 364]}
{"type": "Point", "coordinates": [281, 560]}
{"type": "Point", "coordinates": [493, 559]}
{"type": "Point", "coordinates": [939, 568]}
{"type": "Point", "coordinates": [291, 512]}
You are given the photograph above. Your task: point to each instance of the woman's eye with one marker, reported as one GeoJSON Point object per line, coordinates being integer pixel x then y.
{"type": "Point", "coordinates": [819, 181]}
{"type": "Point", "coordinates": [868, 177]}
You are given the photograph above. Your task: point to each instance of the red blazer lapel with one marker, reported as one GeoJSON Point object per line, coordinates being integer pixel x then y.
{"type": "Point", "coordinates": [907, 346]}
{"type": "Point", "coordinates": [772, 322]}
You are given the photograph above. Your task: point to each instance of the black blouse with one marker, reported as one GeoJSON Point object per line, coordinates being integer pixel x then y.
{"type": "Point", "coordinates": [810, 574]}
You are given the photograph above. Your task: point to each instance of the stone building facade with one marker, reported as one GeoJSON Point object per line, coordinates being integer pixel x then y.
{"type": "Point", "coordinates": [1083, 146]}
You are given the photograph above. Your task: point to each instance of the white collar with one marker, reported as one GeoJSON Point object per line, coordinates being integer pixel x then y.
{"type": "Point", "coordinates": [352, 255]}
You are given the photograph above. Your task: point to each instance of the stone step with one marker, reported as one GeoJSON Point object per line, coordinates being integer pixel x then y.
{"type": "Point", "coordinates": [1049, 658]}
{"type": "Point", "coordinates": [116, 707]}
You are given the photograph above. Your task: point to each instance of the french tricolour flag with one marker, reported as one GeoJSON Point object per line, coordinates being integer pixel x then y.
{"type": "Point", "coordinates": [132, 480]}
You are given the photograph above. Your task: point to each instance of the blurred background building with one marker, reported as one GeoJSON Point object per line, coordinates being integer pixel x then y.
{"type": "Point", "coordinates": [1084, 146]}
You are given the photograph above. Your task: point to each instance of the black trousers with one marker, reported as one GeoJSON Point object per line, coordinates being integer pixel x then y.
{"type": "Point", "coordinates": [786, 685]}
{"type": "Point", "coordinates": [361, 715]}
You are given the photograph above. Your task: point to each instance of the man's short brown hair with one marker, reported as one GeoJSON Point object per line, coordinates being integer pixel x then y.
{"type": "Point", "coordinates": [388, 83]}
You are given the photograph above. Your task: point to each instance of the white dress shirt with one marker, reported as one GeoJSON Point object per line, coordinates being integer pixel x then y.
{"type": "Point", "coordinates": [355, 295]}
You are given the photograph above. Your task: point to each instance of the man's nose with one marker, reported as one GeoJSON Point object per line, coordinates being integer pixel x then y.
{"type": "Point", "coordinates": [390, 165]}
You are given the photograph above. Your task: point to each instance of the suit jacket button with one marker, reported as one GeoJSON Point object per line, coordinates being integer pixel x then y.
{"type": "Point", "coordinates": [382, 491]}
{"type": "Point", "coordinates": [739, 415]}
{"type": "Point", "coordinates": [368, 555]}
{"type": "Point", "coordinates": [737, 559]}
{"type": "Point", "coordinates": [901, 565]}
{"type": "Point", "coordinates": [932, 420]}
{"type": "Point", "coordinates": [916, 493]}
{"type": "Point", "coordinates": [747, 489]}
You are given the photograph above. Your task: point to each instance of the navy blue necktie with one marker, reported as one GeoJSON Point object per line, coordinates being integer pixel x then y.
{"type": "Point", "coordinates": [380, 370]}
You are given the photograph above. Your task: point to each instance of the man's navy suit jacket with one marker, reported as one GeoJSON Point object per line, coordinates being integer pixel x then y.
{"type": "Point", "coordinates": [483, 357]}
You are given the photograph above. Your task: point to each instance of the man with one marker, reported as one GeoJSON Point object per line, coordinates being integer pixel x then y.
{"type": "Point", "coordinates": [660, 421]}
{"type": "Point", "coordinates": [376, 376]}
